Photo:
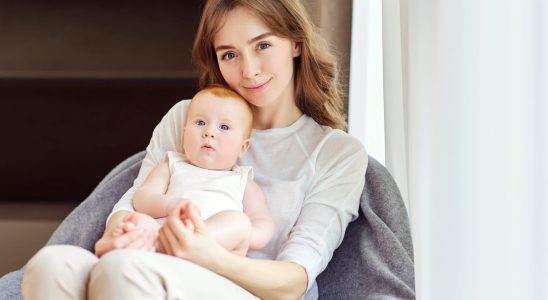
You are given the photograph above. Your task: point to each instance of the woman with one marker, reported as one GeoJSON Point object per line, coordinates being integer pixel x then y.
{"type": "Point", "coordinates": [311, 172]}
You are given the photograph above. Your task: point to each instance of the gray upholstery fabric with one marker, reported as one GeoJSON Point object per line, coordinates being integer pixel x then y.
{"type": "Point", "coordinates": [85, 224]}
{"type": "Point", "coordinates": [375, 260]}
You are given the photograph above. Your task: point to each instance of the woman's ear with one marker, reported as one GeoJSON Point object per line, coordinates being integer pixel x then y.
{"type": "Point", "coordinates": [295, 49]}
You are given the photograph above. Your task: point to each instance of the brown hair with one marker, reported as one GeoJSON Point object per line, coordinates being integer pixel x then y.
{"type": "Point", "coordinates": [317, 88]}
{"type": "Point", "coordinates": [226, 93]}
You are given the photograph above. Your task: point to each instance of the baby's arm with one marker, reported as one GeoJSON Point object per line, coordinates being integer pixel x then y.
{"type": "Point", "coordinates": [151, 197]}
{"type": "Point", "coordinates": [256, 209]}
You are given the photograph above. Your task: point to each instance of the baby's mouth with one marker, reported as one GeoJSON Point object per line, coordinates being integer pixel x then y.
{"type": "Point", "coordinates": [207, 147]}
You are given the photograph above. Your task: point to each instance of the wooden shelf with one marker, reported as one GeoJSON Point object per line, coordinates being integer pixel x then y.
{"type": "Point", "coordinates": [66, 38]}
{"type": "Point", "coordinates": [82, 86]}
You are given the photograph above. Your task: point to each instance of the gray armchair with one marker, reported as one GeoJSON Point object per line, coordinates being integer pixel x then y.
{"type": "Point", "coordinates": [375, 260]}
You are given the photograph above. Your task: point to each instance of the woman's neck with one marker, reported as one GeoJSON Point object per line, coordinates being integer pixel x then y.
{"type": "Point", "coordinates": [279, 116]}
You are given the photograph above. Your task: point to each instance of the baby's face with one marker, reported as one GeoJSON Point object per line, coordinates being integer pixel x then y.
{"type": "Point", "coordinates": [215, 133]}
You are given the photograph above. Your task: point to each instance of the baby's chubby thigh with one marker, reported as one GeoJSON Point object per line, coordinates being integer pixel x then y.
{"type": "Point", "coordinates": [231, 229]}
{"type": "Point", "coordinates": [58, 272]}
{"type": "Point", "coordinates": [231, 220]}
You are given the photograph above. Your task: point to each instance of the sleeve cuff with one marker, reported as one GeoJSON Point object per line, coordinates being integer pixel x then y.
{"type": "Point", "coordinates": [301, 255]}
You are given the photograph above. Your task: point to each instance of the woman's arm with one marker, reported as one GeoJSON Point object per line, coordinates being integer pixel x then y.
{"type": "Point", "coordinates": [255, 207]}
{"type": "Point", "coordinates": [266, 279]}
{"type": "Point", "coordinates": [150, 198]}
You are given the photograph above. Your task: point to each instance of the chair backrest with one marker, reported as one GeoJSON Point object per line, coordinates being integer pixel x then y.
{"type": "Point", "coordinates": [375, 258]}
{"type": "Point", "coordinates": [86, 223]}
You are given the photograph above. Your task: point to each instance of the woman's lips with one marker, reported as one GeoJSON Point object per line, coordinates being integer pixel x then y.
{"type": "Point", "coordinates": [258, 88]}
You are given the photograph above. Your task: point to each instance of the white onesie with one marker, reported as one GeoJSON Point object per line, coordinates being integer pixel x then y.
{"type": "Point", "coordinates": [212, 191]}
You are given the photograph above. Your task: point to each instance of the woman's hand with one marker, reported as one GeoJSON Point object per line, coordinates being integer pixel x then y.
{"type": "Point", "coordinates": [185, 235]}
{"type": "Point", "coordinates": [137, 231]}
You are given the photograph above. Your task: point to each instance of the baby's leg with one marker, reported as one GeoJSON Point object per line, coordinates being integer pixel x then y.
{"type": "Point", "coordinates": [232, 229]}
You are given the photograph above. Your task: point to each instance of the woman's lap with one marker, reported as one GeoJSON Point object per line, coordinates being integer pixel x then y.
{"type": "Point", "coordinates": [58, 272]}
{"type": "Point", "coordinates": [139, 274]}
{"type": "Point", "coordinates": [63, 272]}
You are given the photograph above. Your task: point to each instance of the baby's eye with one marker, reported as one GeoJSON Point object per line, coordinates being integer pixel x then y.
{"type": "Point", "coordinates": [224, 127]}
{"type": "Point", "coordinates": [200, 123]}
{"type": "Point", "coordinates": [263, 46]}
{"type": "Point", "coordinates": [228, 56]}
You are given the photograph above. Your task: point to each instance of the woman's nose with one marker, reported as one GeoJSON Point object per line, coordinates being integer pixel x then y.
{"type": "Point", "coordinates": [250, 67]}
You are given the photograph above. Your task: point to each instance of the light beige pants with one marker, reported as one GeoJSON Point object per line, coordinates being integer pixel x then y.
{"type": "Point", "coordinates": [69, 272]}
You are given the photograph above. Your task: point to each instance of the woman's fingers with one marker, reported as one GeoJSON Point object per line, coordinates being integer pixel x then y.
{"type": "Point", "coordinates": [144, 241]}
{"type": "Point", "coordinates": [117, 231]}
{"type": "Point", "coordinates": [174, 235]}
{"type": "Point", "coordinates": [114, 241]}
{"type": "Point", "coordinates": [172, 243]}
{"type": "Point", "coordinates": [195, 218]}
{"type": "Point", "coordinates": [164, 242]}
{"type": "Point", "coordinates": [139, 243]}
{"type": "Point", "coordinates": [128, 227]}
{"type": "Point", "coordinates": [188, 224]}
{"type": "Point", "coordinates": [159, 246]}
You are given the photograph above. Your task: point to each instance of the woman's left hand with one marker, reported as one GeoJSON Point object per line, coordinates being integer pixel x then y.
{"type": "Point", "coordinates": [184, 234]}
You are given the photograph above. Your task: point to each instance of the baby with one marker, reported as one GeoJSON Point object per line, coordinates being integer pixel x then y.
{"type": "Point", "coordinates": [216, 133]}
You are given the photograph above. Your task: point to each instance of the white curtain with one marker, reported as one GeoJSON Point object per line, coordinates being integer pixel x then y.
{"type": "Point", "coordinates": [466, 91]}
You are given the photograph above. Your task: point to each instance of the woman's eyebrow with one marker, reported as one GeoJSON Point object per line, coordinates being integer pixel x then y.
{"type": "Point", "coordinates": [259, 37]}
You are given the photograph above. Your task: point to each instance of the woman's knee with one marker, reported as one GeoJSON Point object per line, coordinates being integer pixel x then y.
{"type": "Point", "coordinates": [116, 260]}
{"type": "Point", "coordinates": [123, 274]}
{"type": "Point", "coordinates": [115, 266]}
{"type": "Point", "coordinates": [58, 269]}
{"type": "Point", "coordinates": [60, 258]}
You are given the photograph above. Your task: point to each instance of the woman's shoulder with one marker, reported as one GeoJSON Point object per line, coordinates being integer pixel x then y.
{"type": "Point", "coordinates": [330, 138]}
{"type": "Point", "coordinates": [339, 143]}
{"type": "Point", "coordinates": [179, 109]}
{"type": "Point", "coordinates": [339, 138]}
{"type": "Point", "coordinates": [172, 120]}
{"type": "Point", "coordinates": [327, 144]}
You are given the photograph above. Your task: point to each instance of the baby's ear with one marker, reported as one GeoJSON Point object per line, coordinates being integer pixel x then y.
{"type": "Point", "coordinates": [245, 145]}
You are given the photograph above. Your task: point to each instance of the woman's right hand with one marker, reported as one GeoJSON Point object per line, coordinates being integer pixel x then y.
{"type": "Point", "coordinates": [136, 231]}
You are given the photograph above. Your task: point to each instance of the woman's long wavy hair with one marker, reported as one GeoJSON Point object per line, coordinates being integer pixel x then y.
{"type": "Point", "coordinates": [317, 88]}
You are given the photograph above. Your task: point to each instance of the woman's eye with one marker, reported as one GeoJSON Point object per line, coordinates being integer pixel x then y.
{"type": "Point", "coordinates": [263, 45]}
{"type": "Point", "coordinates": [224, 127]}
{"type": "Point", "coordinates": [228, 56]}
{"type": "Point", "coordinates": [200, 123]}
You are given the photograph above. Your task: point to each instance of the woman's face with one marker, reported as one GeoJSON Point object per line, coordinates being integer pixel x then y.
{"type": "Point", "coordinates": [255, 62]}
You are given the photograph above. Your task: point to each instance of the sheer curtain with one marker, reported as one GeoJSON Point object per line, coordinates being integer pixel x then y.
{"type": "Point", "coordinates": [466, 108]}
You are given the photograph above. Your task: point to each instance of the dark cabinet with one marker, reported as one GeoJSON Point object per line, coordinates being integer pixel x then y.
{"type": "Point", "coordinates": [82, 85]}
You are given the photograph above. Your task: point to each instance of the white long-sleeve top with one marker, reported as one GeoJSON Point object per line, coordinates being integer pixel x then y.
{"type": "Point", "coordinates": [312, 177]}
